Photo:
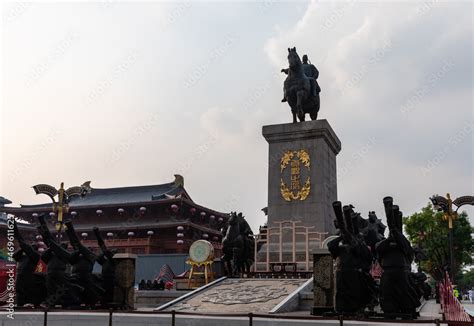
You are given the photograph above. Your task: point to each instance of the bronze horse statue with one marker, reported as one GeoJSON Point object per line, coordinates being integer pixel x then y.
{"type": "Point", "coordinates": [301, 91]}
{"type": "Point", "coordinates": [237, 246]}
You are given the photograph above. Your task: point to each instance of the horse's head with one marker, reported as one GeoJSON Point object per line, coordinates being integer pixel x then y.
{"type": "Point", "coordinates": [235, 218]}
{"type": "Point", "coordinates": [232, 228]}
{"type": "Point", "coordinates": [293, 58]}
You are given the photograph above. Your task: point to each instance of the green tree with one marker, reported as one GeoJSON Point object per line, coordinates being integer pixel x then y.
{"type": "Point", "coordinates": [428, 231]}
{"type": "Point", "coordinates": [465, 280]}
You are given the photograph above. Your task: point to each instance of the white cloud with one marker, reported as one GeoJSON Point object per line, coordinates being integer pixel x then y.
{"type": "Point", "coordinates": [372, 58]}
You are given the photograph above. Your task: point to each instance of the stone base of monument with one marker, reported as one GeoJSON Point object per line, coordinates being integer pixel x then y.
{"type": "Point", "coordinates": [302, 175]}
{"type": "Point", "coordinates": [298, 255]}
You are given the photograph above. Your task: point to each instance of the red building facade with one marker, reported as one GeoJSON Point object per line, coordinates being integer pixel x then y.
{"type": "Point", "coordinates": [154, 219]}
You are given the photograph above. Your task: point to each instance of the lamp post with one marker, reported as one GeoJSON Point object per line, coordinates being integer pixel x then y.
{"type": "Point", "coordinates": [445, 204]}
{"type": "Point", "coordinates": [62, 205]}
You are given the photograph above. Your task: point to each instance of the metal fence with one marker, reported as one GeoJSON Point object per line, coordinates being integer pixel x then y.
{"type": "Point", "coordinates": [252, 319]}
{"type": "Point", "coordinates": [452, 309]}
{"type": "Point", "coordinates": [274, 235]}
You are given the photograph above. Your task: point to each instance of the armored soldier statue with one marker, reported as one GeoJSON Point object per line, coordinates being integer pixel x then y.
{"type": "Point", "coordinates": [82, 265]}
{"type": "Point", "coordinates": [374, 232]}
{"type": "Point", "coordinates": [354, 290]}
{"type": "Point", "coordinates": [29, 285]}
{"type": "Point", "coordinates": [397, 295]}
{"type": "Point", "coordinates": [108, 269]}
{"type": "Point", "coordinates": [60, 290]}
{"type": "Point", "coordinates": [311, 71]}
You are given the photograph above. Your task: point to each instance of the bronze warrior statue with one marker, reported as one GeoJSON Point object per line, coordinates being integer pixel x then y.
{"type": "Point", "coordinates": [397, 294]}
{"type": "Point", "coordinates": [30, 286]}
{"type": "Point", "coordinates": [61, 287]}
{"type": "Point", "coordinates": [60, 290]}
{"type": "Point", "coordinates": [354, 285]}
{"type": "Point", "coordinates": [82, 266]}
{"type": "Point", "coordinates": [107, 276]}
{"type": "Point", "coordinates": [301, 89]}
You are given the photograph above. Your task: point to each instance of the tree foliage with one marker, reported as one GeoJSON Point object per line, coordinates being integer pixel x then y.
{"type": "Point", "coordinates": [465, 280]}
{"type": "Point", "coordinates": [428, 231]}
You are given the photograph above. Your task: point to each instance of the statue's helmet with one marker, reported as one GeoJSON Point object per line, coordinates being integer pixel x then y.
{"type": "Point", "coordinates": [372, 216]}
{"type": "Point", "coordinates": [305, 58]}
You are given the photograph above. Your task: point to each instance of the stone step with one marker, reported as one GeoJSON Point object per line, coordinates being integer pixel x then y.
{"type": "Point", "coordinates": [306, 299]}
{"type": "Point", "coordinates": [306, 295]}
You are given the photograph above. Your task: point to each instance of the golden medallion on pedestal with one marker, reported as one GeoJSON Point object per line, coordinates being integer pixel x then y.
{"type": "Point", "coordinates": [296, 161]}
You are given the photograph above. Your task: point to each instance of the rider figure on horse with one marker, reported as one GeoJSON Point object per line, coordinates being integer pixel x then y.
{"type": "Point", "coordinates": [310, 71]}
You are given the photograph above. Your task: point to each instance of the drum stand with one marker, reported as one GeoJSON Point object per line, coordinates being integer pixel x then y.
{"type": "Point", "coordinates": [194, 273]}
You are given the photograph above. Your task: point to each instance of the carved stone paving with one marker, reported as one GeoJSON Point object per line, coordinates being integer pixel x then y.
{"type": "Point", "coordinates": [241, 295]}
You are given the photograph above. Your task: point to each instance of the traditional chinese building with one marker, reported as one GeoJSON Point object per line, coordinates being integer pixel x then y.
{"type": "Point", "coordinates": [154, 219]}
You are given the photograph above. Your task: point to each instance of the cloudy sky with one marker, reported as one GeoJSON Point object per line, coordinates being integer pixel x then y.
{"type": "Point", "coordinates": [129, 93]}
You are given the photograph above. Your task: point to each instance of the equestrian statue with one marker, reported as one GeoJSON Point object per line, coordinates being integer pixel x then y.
{"type": "Point", "coordinates": [301, 89]}
{"type": "Point", "coordinates": [237, 246]}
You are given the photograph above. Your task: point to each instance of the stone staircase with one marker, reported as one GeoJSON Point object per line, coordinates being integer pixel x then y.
{"type": "Point", "coordinates": [306, 299]}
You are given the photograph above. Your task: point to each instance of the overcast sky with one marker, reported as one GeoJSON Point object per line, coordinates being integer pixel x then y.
{"type": "Point", "coordinates": [127, 94]}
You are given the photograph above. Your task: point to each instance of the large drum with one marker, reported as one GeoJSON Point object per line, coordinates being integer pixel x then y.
{"type": "Point", "coordinates": [201, 251]}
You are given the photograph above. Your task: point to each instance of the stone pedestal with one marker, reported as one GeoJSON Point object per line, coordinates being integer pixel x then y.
{"type": "Point", "coordinates": [124, 279]}
{"type": "Point", "coordinates": [324, 288]}
{"type": "Point", "coordinates": [302, 183]}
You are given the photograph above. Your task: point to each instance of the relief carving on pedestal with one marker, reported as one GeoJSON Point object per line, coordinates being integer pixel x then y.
{"type": "Point", "coordinates": [296, 161]}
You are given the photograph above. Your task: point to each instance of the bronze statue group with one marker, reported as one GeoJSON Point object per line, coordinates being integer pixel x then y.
{"type": "Point", "coordinates": [361, 245]}
{"type": "Point", "coordinates": [69, 281]}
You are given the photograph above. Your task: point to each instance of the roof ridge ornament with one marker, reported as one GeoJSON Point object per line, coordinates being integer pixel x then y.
{"type": "Point", "coordinates": [4, 201]}
{"type": "Point", "coordinates": [178, 180]}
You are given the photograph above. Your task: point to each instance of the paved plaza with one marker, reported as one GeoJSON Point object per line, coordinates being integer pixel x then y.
{"type": "Point", "coordinates": [429, 312]}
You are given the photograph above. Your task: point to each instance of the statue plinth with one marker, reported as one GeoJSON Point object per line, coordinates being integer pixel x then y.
{"type": "Point", "coordinates": [302, 181]}
{"type": "Point", "coordinates": [324, 288]}
{"type": "Point", "coordinates": [125, 279]}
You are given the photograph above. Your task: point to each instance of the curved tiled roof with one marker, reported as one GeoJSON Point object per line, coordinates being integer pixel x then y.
{"type": "Point", "coordinates": [4, 201]}
{"type": "Point", "coordinates": [126, 196]}
{"type": "Point", "coordinates": [123, 195]}
{"type": "Point", "coordinates": [21, 225]}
